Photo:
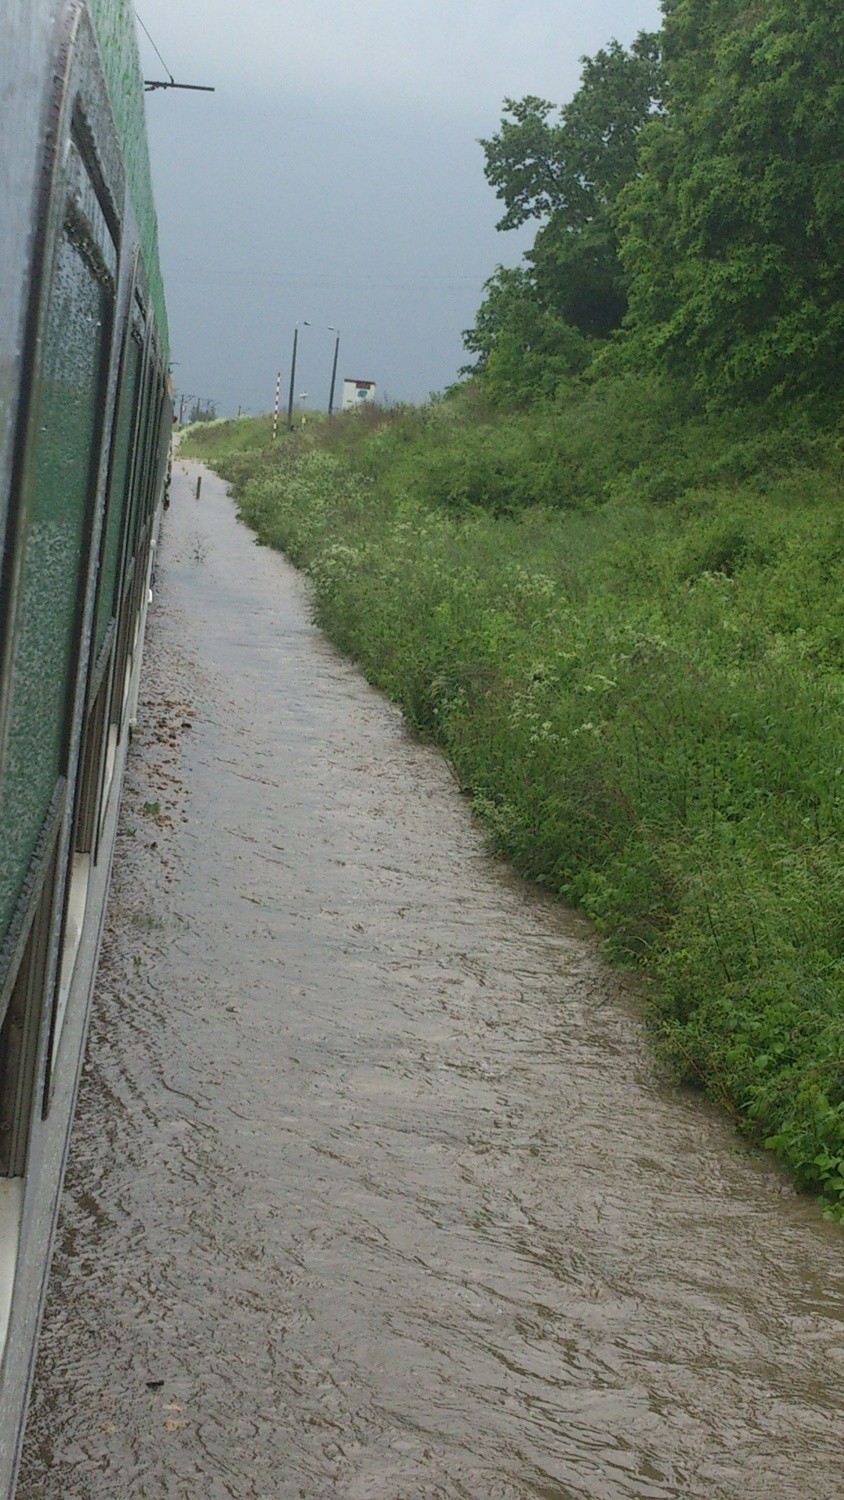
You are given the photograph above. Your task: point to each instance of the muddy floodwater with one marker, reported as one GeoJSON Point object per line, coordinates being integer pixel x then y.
{"type": "Point", "coordinates": [373, 1190]}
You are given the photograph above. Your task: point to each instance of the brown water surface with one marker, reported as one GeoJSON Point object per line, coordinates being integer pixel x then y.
{"type": "Point", "coordinates": [373, 1192]}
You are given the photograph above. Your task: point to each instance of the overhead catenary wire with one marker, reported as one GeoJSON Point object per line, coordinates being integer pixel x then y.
{"type": "Point", "coordinates": [170, 83]}
{"type": "Point", "coordinates": [145, 30]}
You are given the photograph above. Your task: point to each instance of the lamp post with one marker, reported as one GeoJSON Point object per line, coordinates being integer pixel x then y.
{"type": "Point", "coordinates": [304, 324]}
{"type": "Point", "coordinates": [332, 329]}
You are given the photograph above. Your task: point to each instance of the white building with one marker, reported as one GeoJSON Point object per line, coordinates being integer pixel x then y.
{"type": "Point", "coordinates": [356, 392]}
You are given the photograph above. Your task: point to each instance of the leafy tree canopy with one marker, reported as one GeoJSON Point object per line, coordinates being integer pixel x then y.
{"type": "Point", "coordinates": [566, 168]}
{"type": "Point", "coordinates": [523, 350]}
{"type": "Point", "coordinates": [691, 193]}
{"type": "Point", "coordinates": [574, 166]}
{"type": "Point", "coordinates": [732, 233]}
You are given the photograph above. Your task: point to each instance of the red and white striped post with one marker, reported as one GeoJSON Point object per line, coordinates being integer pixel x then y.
{"type": "Point", "coordinates": [275, 407]}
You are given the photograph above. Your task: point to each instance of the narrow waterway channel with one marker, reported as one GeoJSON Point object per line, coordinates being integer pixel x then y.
{"type": "Point", "coordinates": [373, 1191]}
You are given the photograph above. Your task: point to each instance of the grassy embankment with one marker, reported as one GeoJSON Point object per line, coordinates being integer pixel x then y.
{"type": "Point", "coordinates": [625, 628]}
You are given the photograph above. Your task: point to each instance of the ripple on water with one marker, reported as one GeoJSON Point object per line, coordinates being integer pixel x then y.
{"type": "Point", "coordinates": [372, 1190]}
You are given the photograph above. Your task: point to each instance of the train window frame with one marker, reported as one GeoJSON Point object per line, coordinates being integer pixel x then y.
{"type": "Point", "coordinates": [79, 97]}
{"type": "Point", "coordinates": [89, 228]}
{"type": "Point", "coordinates": [126, 396]}
{"type": "Point", "coordinates": [26, 979]}
{"type": "Point", "coordinates": [22, 1005]}
{"type": "Point", "coordinates": [99, 741]}
{"type": "Point", "coordinates": [125, 643]}
{"type": "Point", "coordinates": [116, 689]}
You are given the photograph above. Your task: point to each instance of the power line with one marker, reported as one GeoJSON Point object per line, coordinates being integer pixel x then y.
{"type": "Point", "coordinates": [154, 48]}
{"type": "Point", "coordinates": [170, 83]}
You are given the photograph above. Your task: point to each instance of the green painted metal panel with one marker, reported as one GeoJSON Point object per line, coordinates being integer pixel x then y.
{"type": "Point", "coordinates": [75, 349]}
{"type": "Point", "coordinates": [114, 24]}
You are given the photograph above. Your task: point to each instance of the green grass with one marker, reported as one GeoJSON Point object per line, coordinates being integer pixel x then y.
{"type": "Point", "coordinates": [625, 625]}
{"type": "Point", "coordinates": [210, 440]}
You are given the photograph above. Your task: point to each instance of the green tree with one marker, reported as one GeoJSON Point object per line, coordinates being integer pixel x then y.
{"type": "Point", "coordinates": [732, 235]}
{"type": "Point", "coordinates": [567, 172]}
{"type": "Point", "coordinates": [523, 349]}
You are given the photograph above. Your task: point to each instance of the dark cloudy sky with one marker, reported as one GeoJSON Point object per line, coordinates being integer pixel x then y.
{"type": "Point", "coordinates": [335, 176]}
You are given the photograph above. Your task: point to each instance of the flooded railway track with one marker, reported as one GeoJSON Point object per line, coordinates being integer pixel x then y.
{"type": "Point", "coordinates": [373, 1192]}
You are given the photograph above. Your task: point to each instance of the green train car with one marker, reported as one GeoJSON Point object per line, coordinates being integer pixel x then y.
{"type": "Point", "coordinates": [85, 426]}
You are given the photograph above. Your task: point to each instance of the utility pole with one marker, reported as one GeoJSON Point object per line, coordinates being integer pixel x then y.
{"type": "Point", "coordinates": [333, 368]}
{"type": "Point", "coordinates": [305, 324]}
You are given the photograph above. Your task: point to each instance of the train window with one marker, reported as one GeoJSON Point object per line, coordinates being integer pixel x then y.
{"type": "Point", "coordinates": [19, 1032]}
{"type": "Point", "coordinates": [89, 783]}
{"type": "Point", "coordinates": [21, 1011]}
{"type": "Point", "coordinates": [65, 476]}
{"type": "Point", "coordinates": [145, 463]}
{"type": "Point", "coordinates": [118, 496]}
{"type": "Point", "coordinates": [125, 640]}
{"type": "Point", "coordinates": [61, 487]}
{"type": "Point", "coordinates": [101, 733]}
{"type": "Point", "coordinates": [85, 830]}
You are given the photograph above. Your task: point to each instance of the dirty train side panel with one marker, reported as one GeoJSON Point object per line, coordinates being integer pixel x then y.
{"type": "Point", "coordinates": [85, 420]}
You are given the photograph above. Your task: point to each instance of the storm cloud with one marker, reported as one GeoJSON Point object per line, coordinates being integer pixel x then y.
{"type": "Point", "coordinates": [335, 176]}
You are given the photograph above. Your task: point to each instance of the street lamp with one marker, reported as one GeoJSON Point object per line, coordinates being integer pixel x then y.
{"type": "Point", "coordinates": [304, 324]}
{"type": "Point", "coordinates": [332, 329]}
